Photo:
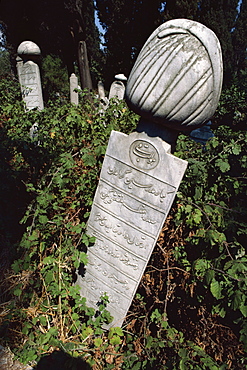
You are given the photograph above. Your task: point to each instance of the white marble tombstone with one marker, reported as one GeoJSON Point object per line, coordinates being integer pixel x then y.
{"type": "Point", "coordinates": [137, 186]}
{"type": "Point", "coordinates": [117, 90]}
{"type": "Point", "coordinates": [73, 82]}
{"type": "Point", "coordinates": [177, 77]}
{"type": "Point", "coordinates": [174, 85]}
{"type": "Point", "coordinates": [104, 102]}
{"type": "Point", "coordinates": [29, 75]}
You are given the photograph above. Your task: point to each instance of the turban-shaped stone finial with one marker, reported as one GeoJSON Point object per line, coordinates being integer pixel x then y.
{"type": "Point", "coordinates": [176, 80]}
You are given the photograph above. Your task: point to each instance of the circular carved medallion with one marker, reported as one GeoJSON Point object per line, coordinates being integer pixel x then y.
{"type": "Point", "coordinates": [144, 155]}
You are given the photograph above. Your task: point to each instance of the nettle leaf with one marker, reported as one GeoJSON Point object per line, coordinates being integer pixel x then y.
{"type": "Point", "coordinates": [209, 275]}
{"type": "Point", "coordinates": [98, 342]}
{"type": "Point", "coordinates": [115, 340]}
{"type": "Point", "coordinates": [236, 150]}
{"type": "Point", "coordinates": [214, 142]}
{"type": "Point", "coordinates": [198, 193]}
{"type": "Point", "coordinates": [89, 159]}
{"type": "Point", "coordinates": [43, 320]}
{"type": "Point", "coordinates": [83, 258]}
{"type": "Point", "coordinates": [243, 309]}
{"type": "Point", "coordinates": [222, 164]}
{"type": "Point", "coordinates": [48, 260]}
{"type": "Point", "coordinates": [197, 216]}
{"type": "Point", "coordinates": [201, 265]}
{"type": "Point", "coordinates": [43, 219]}
{"type": "Point", "coordinates": [215, 237]}
{"type": "Point", "coordinates": [99, 150]}
{"type": "Point", "coordinates": [188, 208]}
{"type": "Point", "coordinates": [17, 292]}
{"type": "Point", "coordinates": [49, 277]}
{"type": "Point", "coordinates": [215, 289]}
{"type": "Point", "coordinates": [237, 300]}
{"type": "Point", "coordinates": [219, 310]}
{"type": "Point", "coordinates": [119, 331]}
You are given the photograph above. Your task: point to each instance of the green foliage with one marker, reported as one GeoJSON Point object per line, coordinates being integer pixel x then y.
{"type": "Point", "coordinates": [55, 80]}
{"type": "Point", "coordinates": [211, 204]}
{"type": "Point", "coordinates": [232, 109]}
{"type": "Point", "coordinates": [4, 63]}
{"type": "Point", "coordinates": [60, 168]}
{"type": "Point", "coordinates": [58, 28]}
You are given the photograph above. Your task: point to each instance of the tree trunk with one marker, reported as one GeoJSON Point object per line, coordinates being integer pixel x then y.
{"type": "Point", "coordinates": [85, 77]}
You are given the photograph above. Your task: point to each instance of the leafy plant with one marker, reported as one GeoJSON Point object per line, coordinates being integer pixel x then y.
{"type": "Point", "coordinates": [193, 293]}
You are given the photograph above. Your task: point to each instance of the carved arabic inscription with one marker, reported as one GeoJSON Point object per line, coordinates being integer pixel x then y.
{"type": "Point", "coordinates": [144, 155]}
{"type": "Point", "coordinates": [134, 195]}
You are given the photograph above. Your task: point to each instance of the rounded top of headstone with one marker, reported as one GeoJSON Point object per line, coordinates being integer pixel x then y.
{"type": "Point", "coordinates": [28, 48]}
{"type": "Point", "coordinates": [177, 78]}
{"type": "Point", "coordinates": [121, 77]}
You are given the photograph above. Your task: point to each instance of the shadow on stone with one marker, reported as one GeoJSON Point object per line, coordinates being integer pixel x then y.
{"type": "Point", "coordinates": [59, 360]}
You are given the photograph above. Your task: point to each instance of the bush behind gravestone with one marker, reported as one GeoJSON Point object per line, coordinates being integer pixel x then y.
{"type": "Point", "coordinates": [206, 263]}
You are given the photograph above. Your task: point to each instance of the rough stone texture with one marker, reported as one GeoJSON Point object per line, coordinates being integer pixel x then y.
{"type": "Point", "coordinates": [29, 78]}
{"type": "Point", "coordinates": [7, 361]}
{"type": "Point", "coordinates": [117, 90]}
{"type": "Point", "coordinates": [73, 80]}
{"type": "Point", "coordinates": [101, 90]}
{"type": "Point", "coordinates": [104, 102]}
{"type": "Point", "coordinates": [137, 186]}
{"type": "Point", "coordinates": [176, 80]}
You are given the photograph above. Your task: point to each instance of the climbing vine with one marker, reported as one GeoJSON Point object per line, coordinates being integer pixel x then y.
{"type": "Point", "coordinates": [193, 293]}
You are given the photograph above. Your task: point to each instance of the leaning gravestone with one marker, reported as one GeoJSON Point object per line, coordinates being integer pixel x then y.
{"type": "Point", "coordinates": [117, 88]}
{"type": "Point", "coordinates": [140, 177]}
{"type": "Point", "coordinates": [29, 75]}
{"type": "Point", "coordinates": [138, 182]}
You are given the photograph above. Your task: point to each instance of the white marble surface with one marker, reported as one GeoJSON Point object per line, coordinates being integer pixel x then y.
{"type": "Point", "coordinates": [29, 78]}
{"type": "Point", "coordinates": [137, 186]}
{"type": "Point", "coordinates": [28, 48]}
{"type": "Point", "coordinates": [176, 80]}
{"type": "Point", "coordinates": [117, 90]}
{"type": "Point", "coordinates": [73, 83]}
{"type": "Point", "coordinates": [121, 77]}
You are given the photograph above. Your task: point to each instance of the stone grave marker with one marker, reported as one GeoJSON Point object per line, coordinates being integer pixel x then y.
{"type": "Point", "coordinates": [29, 75]}
{"type": "Point", "coordinates": [73, 83]}
{"type": "Point", "coordinates": [104, 102]}
{"type": "Point", "coordinates": [137, 186]}
{"type": "Point", "coordinates": [117, 88]}
{"type": "Point", "coordinates": [175, 86]}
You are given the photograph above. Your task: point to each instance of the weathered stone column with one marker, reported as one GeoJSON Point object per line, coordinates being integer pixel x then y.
{"type": "Point", "coordinates": [73, 82]}
{"type": "Point", "coordinates": [104, 102]}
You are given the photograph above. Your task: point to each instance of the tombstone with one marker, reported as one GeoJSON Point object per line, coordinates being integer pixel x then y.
{"type": "Point", "coordinates": [73, 82]}
{"type": "Point", "coordinates": [104, 102]}
{"type": "Point", "coordinates": [117, 88]}
{"type": "Point", "coordinates": [140, 176]}
{"type": "Point", "coordinates": [137, 186]}
{"type": "Point", "coordinates": [29, 75]}
{"type": "Point", "coordinates": [177, 88]}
